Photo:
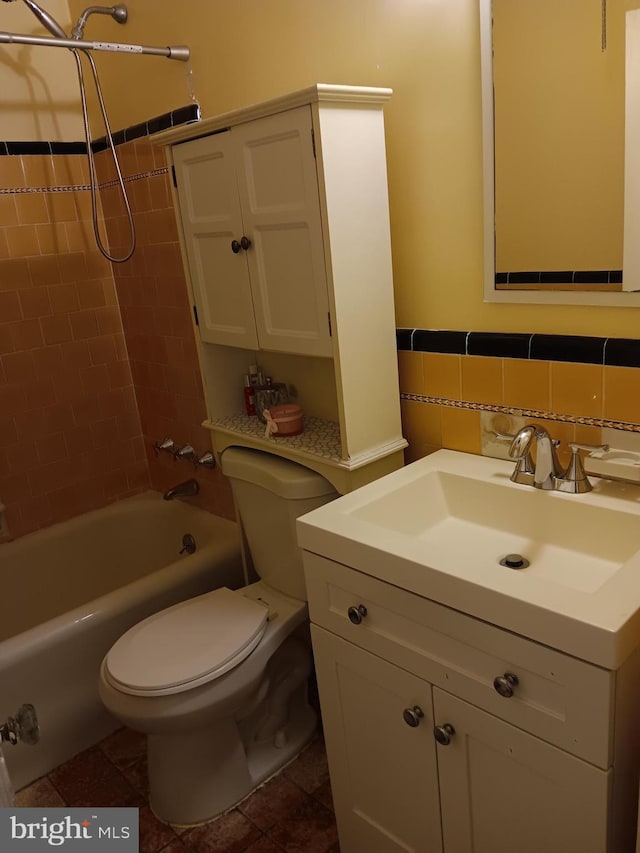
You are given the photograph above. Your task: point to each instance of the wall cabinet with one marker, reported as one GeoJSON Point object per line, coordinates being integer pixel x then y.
{"type": "Point", "coordinates": [267, 290]}
{"type": "Point", "coordinates": [426, 755]}
{"type": "Point", "coordinates": [284, 223]}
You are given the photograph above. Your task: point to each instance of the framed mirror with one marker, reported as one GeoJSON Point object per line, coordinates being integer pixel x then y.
{"type": "Point", "coordinates": [561, 133]}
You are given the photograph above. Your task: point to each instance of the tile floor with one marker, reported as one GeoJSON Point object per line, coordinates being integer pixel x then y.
{"type": "Point", "coordinates": [291, 813]}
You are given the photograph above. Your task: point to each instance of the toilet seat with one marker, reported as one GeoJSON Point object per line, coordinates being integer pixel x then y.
{"type": "Point", "coordinates": [187, 645]}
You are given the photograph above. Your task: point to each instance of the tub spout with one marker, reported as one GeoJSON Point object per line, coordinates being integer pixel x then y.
{"type": "Point", "coordinates": [183, 490]}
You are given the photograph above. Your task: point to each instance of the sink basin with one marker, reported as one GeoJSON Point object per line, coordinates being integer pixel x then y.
{"type": "Point", "coordinates": [459, 517]}
{"type": "Point", "coordinates": [441, 526]}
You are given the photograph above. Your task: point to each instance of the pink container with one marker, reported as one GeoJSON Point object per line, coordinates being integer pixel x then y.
{"type": "Point", "coordinates": [284, 420]}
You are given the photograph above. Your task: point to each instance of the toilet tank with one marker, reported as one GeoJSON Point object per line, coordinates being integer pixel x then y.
{"type": "Point", "coordinates": [270, 493]}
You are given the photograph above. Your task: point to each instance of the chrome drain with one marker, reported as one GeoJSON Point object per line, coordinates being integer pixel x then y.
{"type": "Point", "coordinates": [514, 561]}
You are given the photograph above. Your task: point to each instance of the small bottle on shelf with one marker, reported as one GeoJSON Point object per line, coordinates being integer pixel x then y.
{"type": "Point", "coordinates": [249, 396]}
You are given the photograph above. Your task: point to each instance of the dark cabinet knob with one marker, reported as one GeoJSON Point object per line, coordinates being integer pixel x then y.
{"type": "Point", "coordinates": [412, 716]}
{"type": "Point", "coordinates": [357, 613]}
{"type": "Point", "coordinates": [505, 684]}
{"type": "Point", "coordinates": [245, 242]}
{"type": "Point", "coordinates": [235, 247]}
{"type": "Point", "coordinates": [443, 734]}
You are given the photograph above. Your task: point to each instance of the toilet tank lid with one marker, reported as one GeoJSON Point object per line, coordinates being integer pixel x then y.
{"type": "Point", "coordinates": [280, 476]}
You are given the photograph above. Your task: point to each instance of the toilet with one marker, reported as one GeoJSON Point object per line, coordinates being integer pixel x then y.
{"type": "Point", "coordinates": [218, 683]}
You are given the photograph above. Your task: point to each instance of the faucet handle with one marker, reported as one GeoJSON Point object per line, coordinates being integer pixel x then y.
{"type": "Point", "coordinates": [575, 479]}
{"type": "Point", "coordinates": [186, 452]}
{"type": "Point", "coordinates": [167, 445]}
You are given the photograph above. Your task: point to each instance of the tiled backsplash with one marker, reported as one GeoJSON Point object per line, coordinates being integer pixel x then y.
{"type": "Point", "coordinates": [579, 385]}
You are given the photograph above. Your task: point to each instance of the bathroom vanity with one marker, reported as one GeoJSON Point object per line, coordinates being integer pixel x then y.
{"type": "Point", "coordinates": [468, 705]}
{"type": "Point", "coordinates": [284, 224]}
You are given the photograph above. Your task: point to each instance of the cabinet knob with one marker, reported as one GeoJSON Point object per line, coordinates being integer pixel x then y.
{"type": "Point", "coordinates": [356, 613]}
{"type": "Point", "coordinates": [504, 684]}
{"type": "Point", "coordinates": [443, 734]}
{"type": "Point", "coordinates": [245, 242]}
{"type": "Point", "coordinates": [412, 716]}
{"type": "Point", "coordinates": [235, 247]}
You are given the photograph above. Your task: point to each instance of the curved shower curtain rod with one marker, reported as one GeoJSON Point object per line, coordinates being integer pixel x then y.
{"type": "Point", "coordinates": [180, 52]}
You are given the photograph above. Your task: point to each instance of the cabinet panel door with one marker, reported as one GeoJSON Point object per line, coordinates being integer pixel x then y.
{"type": "Point", "coordinates": [278, 188]}
{"type": "Point", "coordinates": [211, 220]}
{"type": "Point", "coordinates": [383, 771]}
{"type": "Point", "coordinates": [503, 790]}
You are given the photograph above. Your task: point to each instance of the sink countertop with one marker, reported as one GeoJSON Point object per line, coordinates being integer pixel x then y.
{"type": "Point", "coordinates": [439, 526]}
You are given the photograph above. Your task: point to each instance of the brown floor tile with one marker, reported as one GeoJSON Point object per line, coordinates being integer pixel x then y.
{"type": "Point", "coordinates": [271, 803]}
{"type": "Point", "coordinates": [323, 793]}
{"type": "Point", "coordinates": [124, 747]}
{"type": "Point", "coordinates": [264, 845]}
{"type": "Point", "coordinates": [175, 847]}
{"type": "Point", "coordinates": [154, 835]}
{"type": "Point", "coordinates": [90, 779]}
{"type": "Point", "coordinates": [231, 833]}
{"type": "Point", "coordinates": [310, 769]}
{"type": "Point", "coordinates": [311, 828]}
{"type": "Point", "coordinates": [39, 795]}
{"type": "Point", "coordinates": [137, 776]}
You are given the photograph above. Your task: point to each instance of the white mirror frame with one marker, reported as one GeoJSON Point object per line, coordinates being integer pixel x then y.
{"type": "Point", "coordinates": [556, 297]}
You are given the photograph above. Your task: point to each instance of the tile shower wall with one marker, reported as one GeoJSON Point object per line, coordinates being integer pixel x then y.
{"type": "Point", "coordinates": [70, 436]}
{"type": "Point", "coordinates": [576, 385]}
{"type": "Point", "coordinates": [157, 319]}
{"type": "Point", "coordinates": [97, 362]}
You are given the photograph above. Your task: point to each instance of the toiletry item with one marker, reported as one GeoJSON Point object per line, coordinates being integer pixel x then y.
{"type": "Point", "coordinates": [270, 394]}
{"type": "Point", "coordinates": [255, 376]}
{"type": "Point", "coordinates": [283, 421]}
{"type": "Point", "coordinates": [249, 396]}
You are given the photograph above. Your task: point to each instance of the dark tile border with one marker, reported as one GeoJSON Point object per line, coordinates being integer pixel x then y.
{"type": "Point", "coordinates": [183, 115]}
{"type": "Point", "coordinates": [559, 277]}
{"type": "Point", "coordinates": [619, 352]}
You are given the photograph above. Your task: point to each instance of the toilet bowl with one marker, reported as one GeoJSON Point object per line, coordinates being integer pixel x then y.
{"type": "Point", "coordinates": [218, 683]}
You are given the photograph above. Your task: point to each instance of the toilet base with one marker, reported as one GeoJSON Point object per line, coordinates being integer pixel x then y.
{"type": "Point", "coordinates": [195, 776]}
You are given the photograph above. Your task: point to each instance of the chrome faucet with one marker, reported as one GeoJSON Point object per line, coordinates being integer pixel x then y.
{"type": "Point", "coordinates": [183, 490]}
{"type": "Point", "coordinates": [547, 471]}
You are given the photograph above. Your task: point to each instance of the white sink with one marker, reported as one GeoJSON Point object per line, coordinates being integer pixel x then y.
{"type": "Point", "coordinates": [441, 526]}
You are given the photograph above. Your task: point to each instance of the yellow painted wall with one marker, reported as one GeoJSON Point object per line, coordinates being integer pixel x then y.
{"type": "Point", "coordinates": [428, 52]}
{"type": "Point", "coordinates": [39, 88]}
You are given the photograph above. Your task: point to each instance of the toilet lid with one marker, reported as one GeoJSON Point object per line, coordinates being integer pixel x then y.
{"type": "Point", "coordinates": [188, 644]}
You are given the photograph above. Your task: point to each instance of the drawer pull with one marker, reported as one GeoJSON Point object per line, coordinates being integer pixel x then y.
{"type": "Point", "coordinates": [504, 684]}
{"type": "Point", "coordinates": [412, 716]}
{"type": "Point", "coordinates": [356, 613]}
{"type": "Point", "coordinates": [443, 734]}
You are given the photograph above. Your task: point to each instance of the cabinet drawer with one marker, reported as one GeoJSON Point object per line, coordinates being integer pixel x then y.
{"type": "Point", "coordinates": [562, 699]}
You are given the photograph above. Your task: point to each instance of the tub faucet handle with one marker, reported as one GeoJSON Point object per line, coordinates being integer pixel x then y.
{"type": "Point", "coordinates": [207, 460]}
{"type": "Point", "coordinates": [186, 452]}
{"type": "Point", "coordinates": [166, 446]}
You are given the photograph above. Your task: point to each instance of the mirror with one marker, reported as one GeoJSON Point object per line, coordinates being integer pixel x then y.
{"type": "Point", "coordinates": [561, 106]}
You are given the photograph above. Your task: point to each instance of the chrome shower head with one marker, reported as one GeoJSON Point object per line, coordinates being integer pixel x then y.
{"type": "Point", "coordinates": [119, 13]}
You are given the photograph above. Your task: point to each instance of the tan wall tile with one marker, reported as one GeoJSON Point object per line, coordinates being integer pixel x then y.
{"type": "Point", "coordinates": [461, 430]}
{"type": "Point", "coordinates": [576, 389]}
{"type": "Point", "coordinates": [527, 384]}
{"type": "Point", "coordinates": [622, 394]}
{"type": "Point", "coordinates": [442, 375]}
{"type": "Point", "coordinates": [482, 379]}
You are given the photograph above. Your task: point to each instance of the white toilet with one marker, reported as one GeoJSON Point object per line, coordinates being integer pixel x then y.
{"type": "Point", "coordinates": [219, 683]}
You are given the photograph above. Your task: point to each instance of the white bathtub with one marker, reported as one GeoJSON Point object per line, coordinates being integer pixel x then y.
{"type": "Point", "coordinates": [69, 591]}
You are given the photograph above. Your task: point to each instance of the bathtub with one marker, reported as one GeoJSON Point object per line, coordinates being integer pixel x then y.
{"type": "Point", "coordinates": [69, 591]}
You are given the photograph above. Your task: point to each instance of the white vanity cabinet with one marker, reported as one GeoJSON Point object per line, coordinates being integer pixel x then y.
{"type": "Point", "coordinates": [426, 755]}
{"type": "Point", "coordinates": [283, 216]}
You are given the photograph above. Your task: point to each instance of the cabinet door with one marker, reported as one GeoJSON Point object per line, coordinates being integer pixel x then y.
{"type": "Point", "coordinates": [211, 220]}
{"type": "Point", "coordinates": [278, 188]}
{"type": "Point", "coordinates": [503, 790]}
{"type": "Point", "coordinates": [383, 771]}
